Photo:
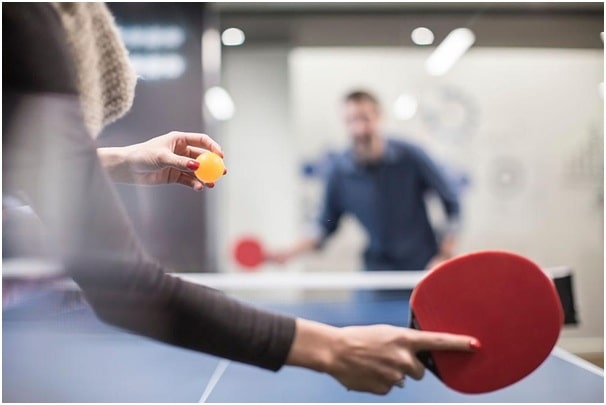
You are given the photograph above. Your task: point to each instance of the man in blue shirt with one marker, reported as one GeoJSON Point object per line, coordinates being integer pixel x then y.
{"type": "Point", "coordinates": [383, 182]}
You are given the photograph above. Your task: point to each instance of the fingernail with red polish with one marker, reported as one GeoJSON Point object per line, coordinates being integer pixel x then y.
{"type": "Point", "coordinates": [475, 344]}
{"type": "Point", "coordinates": [193, 164]}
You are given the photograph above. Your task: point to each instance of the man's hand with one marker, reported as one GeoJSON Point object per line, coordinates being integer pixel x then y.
{"type": "Point", "coordinates": [279, 257]}
{"type": "Point", "coordinates": [303, 245]}
{"type": "Point", "coordinates": [446, 252]}
{"type": "Point", "coordinates": [436, 260]}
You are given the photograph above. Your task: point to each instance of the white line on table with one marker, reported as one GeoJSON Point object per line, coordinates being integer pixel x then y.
{"type": "Point", "coordinates": [577, 361]}
{"type": "Point", "coordinates": [214, 379]}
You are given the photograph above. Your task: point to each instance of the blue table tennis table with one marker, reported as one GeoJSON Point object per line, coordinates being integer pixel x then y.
{"type": "Point", "coordinates": [53, 352]}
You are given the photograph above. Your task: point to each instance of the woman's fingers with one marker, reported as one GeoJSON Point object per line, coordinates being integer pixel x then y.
{"type": "Point", "coordinates": [200, 141]}
{"type": "Point", "coordinates": [190, 181]}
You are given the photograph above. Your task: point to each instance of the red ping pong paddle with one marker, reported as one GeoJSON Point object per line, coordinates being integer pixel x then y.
{"type": "Point", "coordinates": [504, 300]}
{"type": "Point", "coordinates": [249, 252]}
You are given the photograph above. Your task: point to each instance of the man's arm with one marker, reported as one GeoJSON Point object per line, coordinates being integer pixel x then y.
{"type": "Point", "coordinates": [327, 223]}
{"type": "Point", "coordinates": [433, 179]}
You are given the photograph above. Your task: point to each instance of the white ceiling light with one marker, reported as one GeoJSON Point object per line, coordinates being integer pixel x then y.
{"type": "Point", "coordinates": [233, 37]}
{"type": "Point", "coordinates": [405, 107]}
{"type": "Point", "coordinates": [158, 66]}
{"type": "Point", "coordinates": [422, 36]}
{"type": "Point", "coordinates": [152, 37]}
{"type": "Point", "coordinates": [219, 103]}
{"type": "Point", "coordinates": [450, 51]}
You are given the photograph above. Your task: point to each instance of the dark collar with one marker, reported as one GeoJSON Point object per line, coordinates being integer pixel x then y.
{"type": "Point", "coordinates": [390, 156]}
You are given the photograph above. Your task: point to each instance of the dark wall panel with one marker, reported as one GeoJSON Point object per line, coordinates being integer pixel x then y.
{"type": "Point", "coordinates": [169, 219]}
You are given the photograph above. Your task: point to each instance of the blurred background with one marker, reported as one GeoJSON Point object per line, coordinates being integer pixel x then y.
{"type": "Point", "coordinates": [513, 113]}
{"type": "Point", "coordinates": [516, 120]}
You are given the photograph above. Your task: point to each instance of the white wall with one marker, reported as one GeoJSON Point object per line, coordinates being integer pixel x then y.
{"type": "Point", "coordinates": [540, 109]}
{"type": "Point", "coordinates": [259, 195]}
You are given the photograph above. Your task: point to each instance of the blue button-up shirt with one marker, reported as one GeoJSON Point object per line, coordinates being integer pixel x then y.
{"type": "Point", "coordinates": [388, 199]}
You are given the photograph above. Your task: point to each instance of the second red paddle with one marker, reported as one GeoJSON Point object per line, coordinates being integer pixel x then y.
{"type": "Point", "coordinates": [249, 252]}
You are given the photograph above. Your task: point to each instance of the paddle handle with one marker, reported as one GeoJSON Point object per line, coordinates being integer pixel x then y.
{"type": "Point", "coordinates": [424, 357]}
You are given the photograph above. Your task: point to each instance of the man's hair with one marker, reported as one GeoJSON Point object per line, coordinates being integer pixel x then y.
{"type": "Point", "coordinates": [361, 95]}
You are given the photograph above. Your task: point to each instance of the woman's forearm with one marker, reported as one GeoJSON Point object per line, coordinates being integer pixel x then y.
{"type": "Point", "coordinates": [115, 161]}
{"type": "Point", "coordinates": [313, 345]}
{"type": "Point", "coordinates": [93, 236]}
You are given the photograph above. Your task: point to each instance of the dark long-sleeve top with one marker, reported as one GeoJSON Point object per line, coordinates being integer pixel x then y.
{"type": "Point", "coordinates": [49, 156]}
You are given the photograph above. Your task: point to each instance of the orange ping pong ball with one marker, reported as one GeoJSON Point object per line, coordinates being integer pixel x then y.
{"type": "Point", "coordinates": [211, 167]}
